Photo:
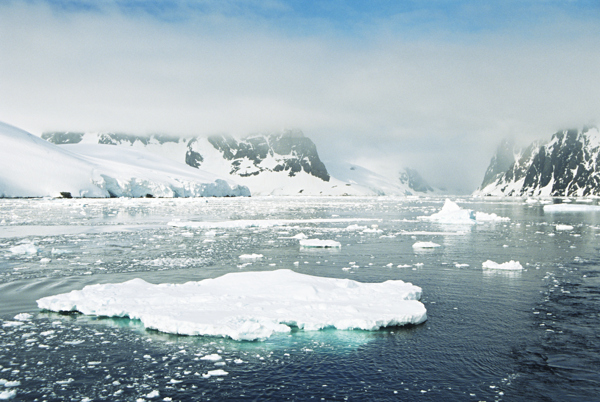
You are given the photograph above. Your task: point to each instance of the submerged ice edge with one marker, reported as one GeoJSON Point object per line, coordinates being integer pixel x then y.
{"type": "Point", "coordinates": [250, 305]}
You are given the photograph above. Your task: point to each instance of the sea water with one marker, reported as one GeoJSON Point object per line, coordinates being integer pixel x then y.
{"type": "Point", "coordinates": [491, 334]}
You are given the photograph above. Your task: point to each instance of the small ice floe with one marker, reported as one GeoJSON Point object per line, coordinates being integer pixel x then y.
{"type": "Point", "coordinates": [564, 227]}
{"type": "Point", "coordinates": [317, 243]}
{"type": "Point", "coordinates": [9, 384]}
{"type": "Point", "coordinates": [457, 265]}
{"type": "Point", "coordinates": [355, 227]}
{"type": "Point", "coordinates": [8, 394]}
{"type": "Point", "coordinates": [510, 265]}
{"type": "Point", "coordinates": [23, 317]}
{"type": "Point", "coordinates": [25, 248]}
{"type": "Point", "coordinates": [250, 305]}
{"type": "Point", "coordinates": [251, 256]}
{"type": "Point", "coordinates": [213, 357]}
{"type": "Point", "coordinates": [425, 245]}
{"type": "Point", "coordinates": [215, 373]}
{"type": "Point", "coordinates": [152, 394]}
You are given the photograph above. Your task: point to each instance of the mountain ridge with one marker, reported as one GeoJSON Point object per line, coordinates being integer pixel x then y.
{"type": "Point", "coordinates": [567, 165]}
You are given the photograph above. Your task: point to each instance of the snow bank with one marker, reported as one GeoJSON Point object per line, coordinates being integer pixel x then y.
{"type": "Point", "coordinates": [250, 305]}
{"type": "Point", "coordinates": [510, 265]}
{"type": "Point", "coordinates": [571, 208]}
{"type": "Point", "coordinates": [32, 167]}
{"type": "Point", "coordinates": [425, 244]}
{"type": "Point", "coordinates": [317, 243]}
{"type": "Point", "coordinates": [451, 213]}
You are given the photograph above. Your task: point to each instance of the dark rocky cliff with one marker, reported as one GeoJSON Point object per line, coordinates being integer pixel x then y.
{"type": "Point", "coordinates": [568, 165]}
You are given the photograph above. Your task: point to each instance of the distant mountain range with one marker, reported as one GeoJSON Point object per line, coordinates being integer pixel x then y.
{"type": "Point", "coordinates": [284, 163]}
{"type": "Point", "coordinates": [567, 165]}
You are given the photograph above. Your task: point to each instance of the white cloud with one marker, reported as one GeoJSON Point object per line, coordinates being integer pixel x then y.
{"type": "Point", "coordinates": [439, 101]}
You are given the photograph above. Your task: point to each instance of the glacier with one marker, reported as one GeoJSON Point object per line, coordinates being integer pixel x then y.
{"type": "Point", "coordinates": [32, 167]}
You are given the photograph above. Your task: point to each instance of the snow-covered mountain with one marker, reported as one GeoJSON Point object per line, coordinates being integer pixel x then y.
{"type": "Point", "coordinates": [567, 165]}
{"type": "Point", "coordinates": [32, 167]}
{"type": "Point", "coordinates": [285, 163]}
{"type": "Point", "coordinates": [406, 182]}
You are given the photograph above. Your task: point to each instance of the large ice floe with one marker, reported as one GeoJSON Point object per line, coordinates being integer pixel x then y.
{"type": "Point", "coordinates": [250, 305]}
{"type": "Point", "coordinates": [451, 213]}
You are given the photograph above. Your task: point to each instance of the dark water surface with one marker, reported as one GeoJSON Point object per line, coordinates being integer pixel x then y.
{"type": "Point", "coordinates": [490, 334]}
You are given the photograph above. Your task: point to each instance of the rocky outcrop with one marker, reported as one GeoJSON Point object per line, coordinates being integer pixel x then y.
{"type": "Point", "coordinates": [289, 151]}
{"type": "Point", "coordinates": [567, 165]}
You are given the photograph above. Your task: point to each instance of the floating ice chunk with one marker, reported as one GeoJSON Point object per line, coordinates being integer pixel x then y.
{"type": "Point", "coordinates": [317, 243]}
{"type": "Point", "coordinates": [510, 265]}
{"type": "Point", "coordinates": [564, 227]}
{"type": "Point", "coordinates": [58, 251]}
{"type": "Point", "coordinates": [251, 256]}
{"type": "Point", "coordinates": [9, 384]}
{"type": "Point", "coordinates": [215, 373]}
{"type": "Point", "coordinates": [152, 394]}
{"type": "Point", "coordinates": [425, 244]}
{"type": "Point", "coordinates": [6, 395]}
{"type": "Point", "coordinates": [451, 213]}
{"type": "Point", "coordinates": [485, 217]}
{"type": "Point", "coordinates": [213, 358]}
{"type": "Point", "coordinates": [355, 227]}
{"type": "Point", "coordinates": [23, 317]}
{"type": "Point", "coordinates": [300, 236]}
{"type": "Point", "coordinates": [571, 208]}
{"type": "Point", "coordinates": [26, 248]}
{"type": "Point", "coordinates": [250, 305]}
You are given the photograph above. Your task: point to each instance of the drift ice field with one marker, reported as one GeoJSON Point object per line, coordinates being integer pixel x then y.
{"type": "Point", "coordinates": [298, 298]}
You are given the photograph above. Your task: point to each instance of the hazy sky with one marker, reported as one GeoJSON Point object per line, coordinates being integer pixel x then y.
{"type": "Point", "coordinates": [433, 85]}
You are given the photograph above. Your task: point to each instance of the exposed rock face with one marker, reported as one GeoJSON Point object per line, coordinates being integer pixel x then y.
{"type": "Point", "coordinates": [568, 165]}
{"type": "Point", "coordinates": [413, 179]}
{"type": "Point", "coordinates": [290, 151]}
{"type": "Point", "coordinates": [60, 138]}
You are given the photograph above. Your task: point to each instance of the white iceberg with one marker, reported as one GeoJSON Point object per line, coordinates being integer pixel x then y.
{"type": "Point", "coordinates": [250, 305]}
{"type": "Point", "coordinates": [318, 243]}
{"type": "Point", "coordinates": [564, 227]}
{"type": "Point", "coordinates": [451, 213]}
{"type": "Point", "coordinates": [425, 244]}
{"type": "Point", "coordinates": [510, 265]}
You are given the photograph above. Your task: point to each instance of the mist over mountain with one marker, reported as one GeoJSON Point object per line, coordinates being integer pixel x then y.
{"type": "Point", "coordinates": [567, 165]}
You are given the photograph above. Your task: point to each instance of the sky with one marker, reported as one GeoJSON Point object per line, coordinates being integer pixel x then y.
{"type": "Point", "coordinates": [432, 85]}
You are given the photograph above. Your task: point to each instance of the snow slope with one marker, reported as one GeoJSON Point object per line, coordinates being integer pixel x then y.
{"type": "Point", "coordinates": [285, 163]}
{"type": "Point", "coordinates": [32, 167]}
